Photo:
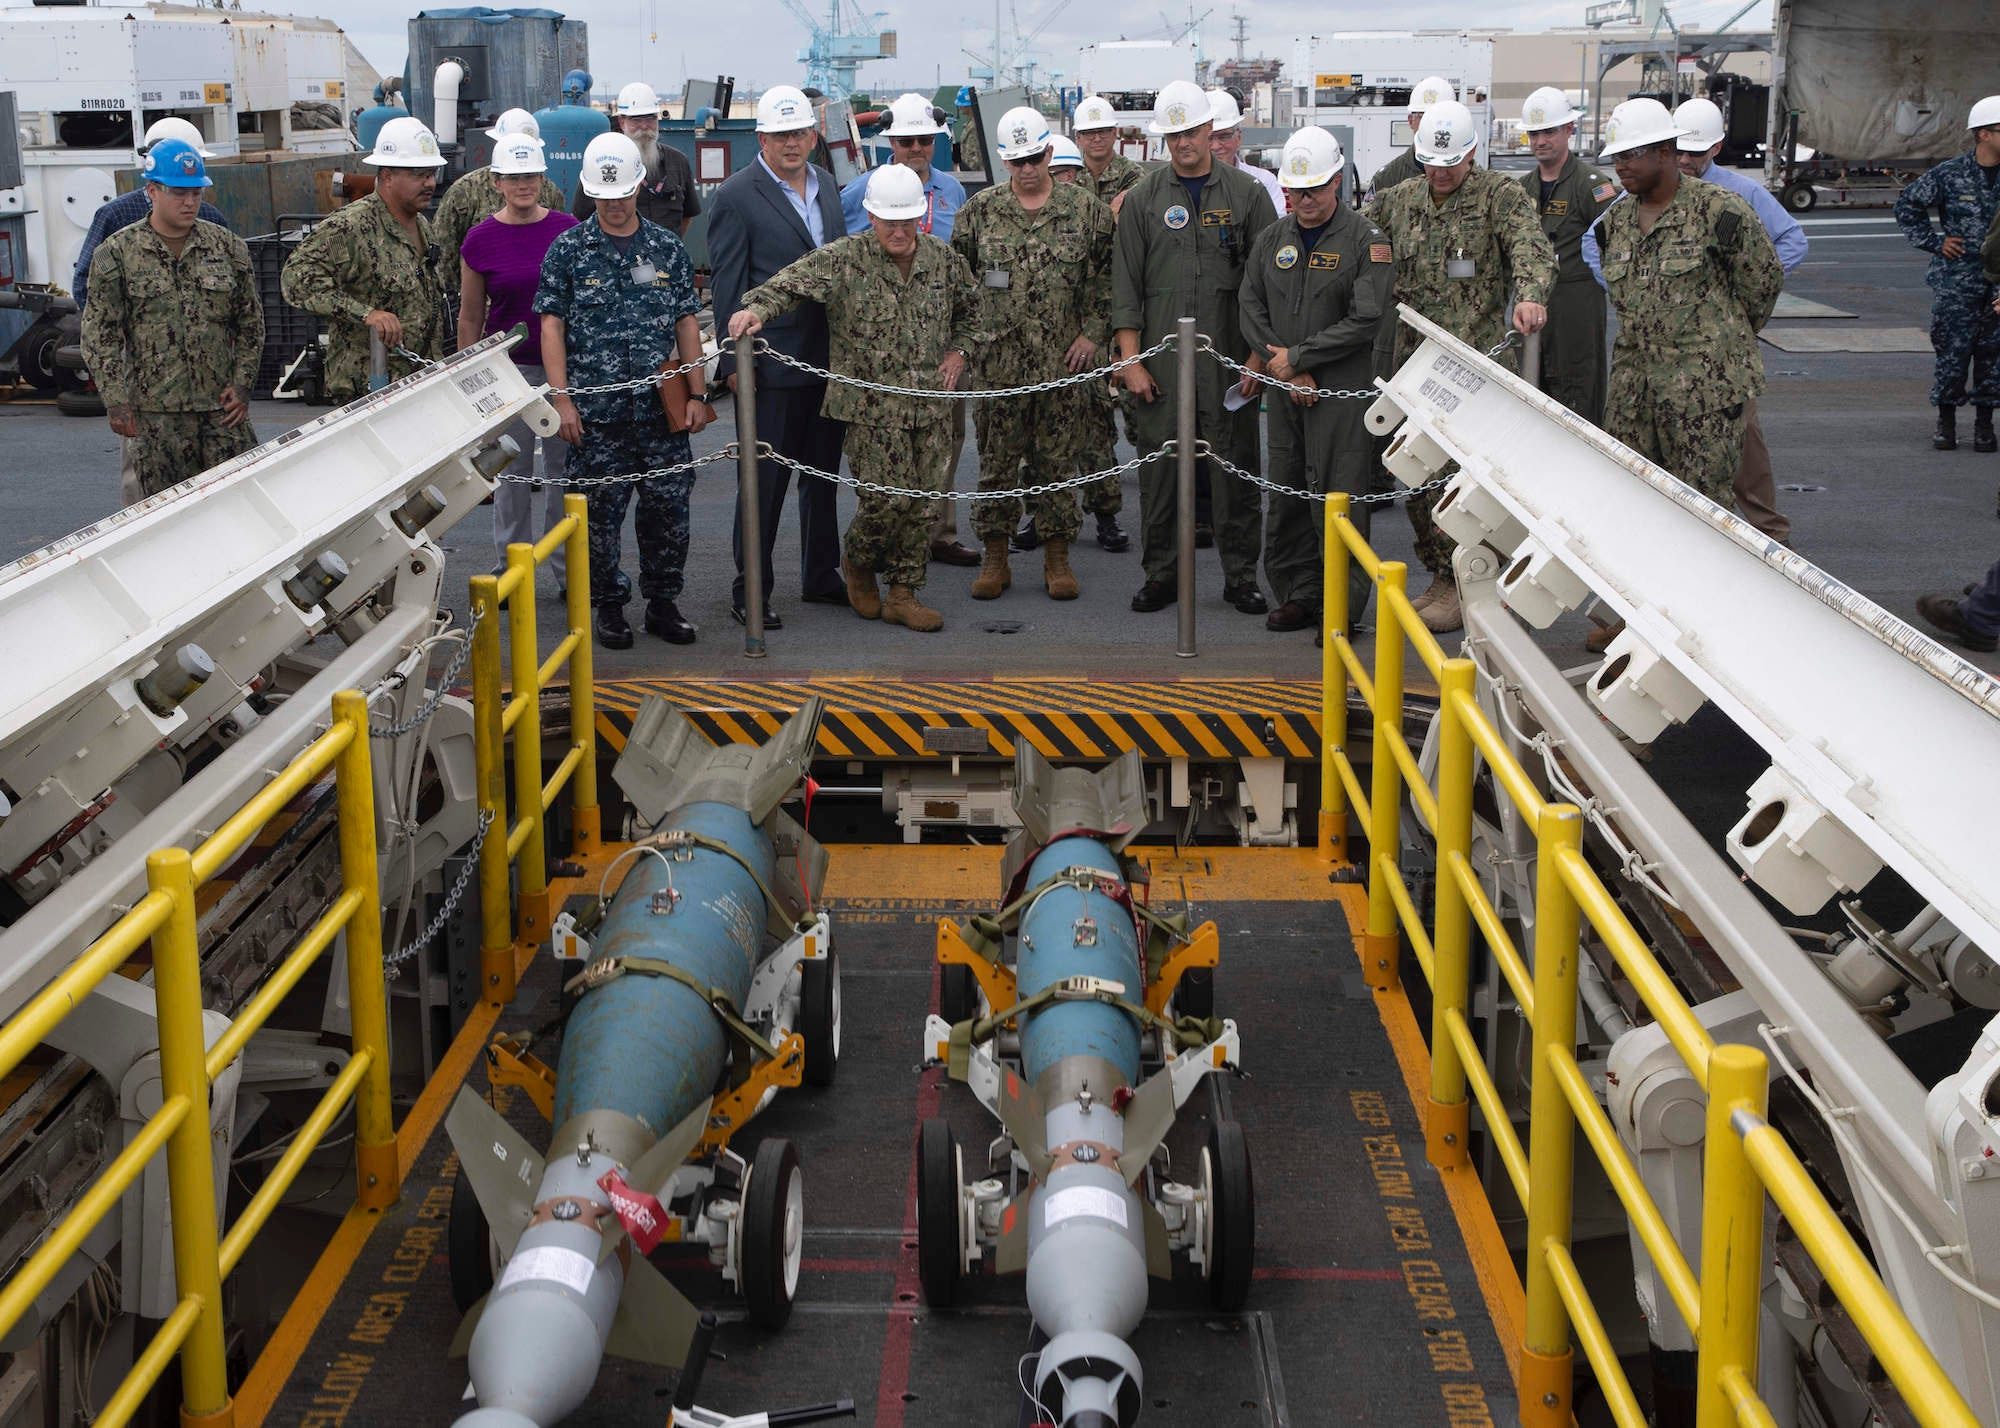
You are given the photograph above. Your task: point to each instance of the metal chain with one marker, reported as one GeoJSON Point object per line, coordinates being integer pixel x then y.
{"type": "Point", "coordinates": [1011, 494]}
{"type": "Point", "coordinates": [390, 965]}
{"type": "Point", "coordinates": [651, 379]}
{"type": "Point", "coordinates": [967, 394]}
{"type": "Point", "coordinates": [578, 483]}
{"type": "Point", "coordinates": [1356, 394]}
{"type": "Point", "coordinates": [1203, 449]}
{"type": "Point", "coordinates": [436, 701]}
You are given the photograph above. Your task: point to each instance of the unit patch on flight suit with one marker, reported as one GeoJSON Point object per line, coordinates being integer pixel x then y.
{"type": "Point", "coordinates": [1176, 217]}
{"type": "Point", "coordinates": [1323, 262]}
{"type": "Point", "coordinates": [1286, 256]}
{"type": "Point", "coordinates": [1557, 207]}
{"type": "Point", "coordinates": [1215, 217]}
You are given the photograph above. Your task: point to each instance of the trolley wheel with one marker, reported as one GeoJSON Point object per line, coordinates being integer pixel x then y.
{"type": "Point", "coordinates": [1230, 1229]}
{"type": "Point", "coordinates": [958, 992]}
{"type": "Point", "coordinates": [940, 1213]}
{"type": "Point", "coordinates": [38, 357]}
{"type": "Point", "coordinates": [79, 401]}
{"type": "Point", "coordinates": [819, 1017]}
{"type": "Point", "coordinates": [469, 1246]}
{"type": "Point", "coordinates": [1800, 197]}
{"type": "Point", "coordinates": [774, 1229]}
{"type": "Point", "coordinates": [1195, 994]}
{"type": "Point", "coordinates": [70, 358]}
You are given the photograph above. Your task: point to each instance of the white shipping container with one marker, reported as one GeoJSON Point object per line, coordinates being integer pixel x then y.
{"type": "Point", "coordinates": [1359, 81]}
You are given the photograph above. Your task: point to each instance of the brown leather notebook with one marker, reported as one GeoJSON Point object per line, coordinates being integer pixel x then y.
{"type": "Point", "coordinates": [676, 393]}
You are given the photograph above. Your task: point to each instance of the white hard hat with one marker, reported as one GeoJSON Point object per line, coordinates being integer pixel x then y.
{"type": "Point", "coordinates": [1312, 156]}
{"type": "Point", "coordinates": [1985, 112]}
{"type": "Point", "coordinates": [1022, 134]}
{"type": "Point", "coordinates": [782, 109]}
{"type": "Point", "coordinates": [1636, 124]}
{"type": "Point", "coordinates": [515, 121]}
{"type": "Point", "coordinates": [1431, 89]}
{"type": "Point", "coordinates": [1446, 135]}
{"type": "Point", "coordinates": [1182, 105]}
{"type": "Point", "coordinates": [895, 192]}
{"type": "Point", "coordinates": [910, 117]}
{"type": "Point", "coordinates": [612, 167]}
{"type": "Point", "coordinates": [1701, 125]}
{"type": "Point", "coordinates": [405, 143]}
{"type": "Point", "coordinates": [520, 154]}
{"type": "Point", "coordinates": [1547, 108]}
{"type": "Point", "coordinates": [174, 128]}
{"type": "Point", "coordinates": [1228, 113]}
{"type": "Point", "coordinates": [637, 100]}
{"type": "Point", "coordinates": [1094, 111]}
{"type": "Point", "coordinates": [1065, 155]}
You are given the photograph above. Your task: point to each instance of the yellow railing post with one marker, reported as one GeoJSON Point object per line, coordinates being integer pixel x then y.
{"type": "Point", "coordinates": [1732, 1234]}
{"type": "Point", "coordinates": [376, 1170]}
{"type": "Point", "coordinates": [527, 692]}
{"type": "Point", "coordinates": [489, 758]}
{"type": "Point", "coordinates": [1381, 943]}
{"type": "Point", "coordinates": [190, 1159]}
{"type": "Point", "coordinates": [1447, 1119]}
{"type": "Point", "coordinates": [586, 831]}
{"type": "Point", "coordinates": [1545, 1351]}
{"type": "Point", "coordinates": [1333, 682]}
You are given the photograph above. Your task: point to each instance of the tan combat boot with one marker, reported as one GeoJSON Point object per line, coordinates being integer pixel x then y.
{"type": "Point", "coordinates": [993, 576]}
{"type": "Point", "coordinates": [1439, 584]}
{"type": "Point", "coordinates": [862, 595]}
{"type": "Point", "coordinates": [1056, 572]}
{"type": "Point", "coordinates": [905, 609]}
{"type": "Point", "coordinates": [1442, 616]}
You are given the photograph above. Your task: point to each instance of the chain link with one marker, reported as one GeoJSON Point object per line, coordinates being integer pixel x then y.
{"type": "Point", "coordinates": [1363, 394]}
{"type": "Point", "coordinates": [967, 394]}
{"type": "Point", "coordinates": [391, 966]}
{"type": "Point", "coordinates": [651, 379]}
{"type": "Point", "coordinates": [436, 701]}
{"type": "Point", "coordinates": [1203, 449]}
{"type": "Point", "coordinates": [579, 483]}
{"type": "Point", "coordinates": [1014, 493]}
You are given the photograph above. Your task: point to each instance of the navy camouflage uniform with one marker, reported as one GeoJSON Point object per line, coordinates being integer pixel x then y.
{"type": "Point", "coordinates": [1964, 329]}
{"type": "Point", "coordinates": [620, 320]}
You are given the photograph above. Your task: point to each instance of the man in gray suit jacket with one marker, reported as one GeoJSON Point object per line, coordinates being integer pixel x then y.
{"type": "Point", "coordinates": [764, 217]}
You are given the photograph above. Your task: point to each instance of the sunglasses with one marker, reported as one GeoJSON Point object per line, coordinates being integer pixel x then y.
{"type": "Point", "coordinates": [1030, 162]}
{"type": "Point", "coordinates": [920, 141]}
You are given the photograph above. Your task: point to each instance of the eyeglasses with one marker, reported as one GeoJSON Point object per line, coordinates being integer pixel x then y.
{"type": "Point", "coordinates": [1030, 162]}
{"type": "Point", "coordinates": [917, 141]}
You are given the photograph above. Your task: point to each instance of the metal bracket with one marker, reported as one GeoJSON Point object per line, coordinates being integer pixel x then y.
{"type": "Point", "coordinates": [1203, 949]}
{"type": "Point", "coordinates": [733, 1109]}
{"type": "Point", "coordinates": [508, 1063]}
{"type": "Point", "coordinates": [995, 981]}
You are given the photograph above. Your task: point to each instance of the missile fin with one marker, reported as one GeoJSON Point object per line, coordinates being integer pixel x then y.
{"type": "Point", "coordinates": [667, 763]}
{"type": "Point", "coordinates": [1010, 1256]}
{"type": "Point", "coordinates": [654, 1323]}
{"type": "Point", "coordinates": [654, 1171]}
{"type": "Point", "coordinates": [461, 1342]}
{"type": "Point", "coordinates": [1159, 1256]}
{"type": "Point", "coordinates": [1148, 1118]}
{"type": "Point", "coordinates": [794, 847]}
{"type": "Point", "coordinates": [502, 1168]}
{"type": "Point", "coordinates": [1108, 803]}
{"type": "Point", "coordinates": [1022, 1115]}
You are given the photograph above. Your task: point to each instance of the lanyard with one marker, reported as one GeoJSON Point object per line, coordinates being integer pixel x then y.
{"type": "Point", "coordinates": [930, 209]}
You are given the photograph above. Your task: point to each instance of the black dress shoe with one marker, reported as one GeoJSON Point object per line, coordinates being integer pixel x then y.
{"type": "Point", "coordinates": [835, 596]}
{"type": "Point", "coordinates": [663, 618]}
{"type": "Point", "coordinates": [950, 552]}
{"type": "Point", "coordinates": [1153, 595]}
{"type": "Point", "coordinates": [1247, 598]}
{"type": "Point", "coordinates": [614, 632]}
{"type": "Point", "coordinates": [772, 620]}
{"type": "Point", "coordinates": [1111, 535]}
{"type": "Point", "coordinates": [1026, 538]}
{"type": "Point", "coordinates": [1945, 613]}
{"type": "Point", "coordinates": [1290, 616]}
{"type": "Point", "coordinates": [1204, 535]}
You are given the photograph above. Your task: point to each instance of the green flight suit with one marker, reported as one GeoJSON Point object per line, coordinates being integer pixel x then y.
{"type": "Point", "coordinates": [1573, 353]}
{"type": "Point", "coordinates": [1398, 170]}
{"type": "Point", "coordinates": [1173, 260]}
{"type": "Point", "coordinates": [1324, 304]}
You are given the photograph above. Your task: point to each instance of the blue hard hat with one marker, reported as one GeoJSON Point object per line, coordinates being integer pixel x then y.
{"type": "Point", "coordinates": [175, 163]}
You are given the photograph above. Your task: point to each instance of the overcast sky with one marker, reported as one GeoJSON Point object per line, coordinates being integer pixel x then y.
{"type": "Point", "coordinates": [757, 40]}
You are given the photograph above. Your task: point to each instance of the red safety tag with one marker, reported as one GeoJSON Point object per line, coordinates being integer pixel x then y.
{"type": "Point", "coordinates": [644, 1217]}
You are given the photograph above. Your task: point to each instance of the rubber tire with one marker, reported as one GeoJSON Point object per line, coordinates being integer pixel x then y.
{"type": "Point", "coordinates": [958, 992]}
{"type": "Point", "coordinates": [76, 402]}
{"type": "Point", "coordinates": [1799, 198]}
{"type": "Point", "coordinates": [938, 1265]}
{"type": "Point", "coordinates": [70, 358]}
{"type": "Point", "coordinates": [468, 1243]}
{"type": "Point", "coordinates": [819, 1017]}
{"type": "Point", "coordinates": [765, 1292]}
{"type": "Point", "coordinates": [1195, 994]}
{"type": "Point", "coordinates": [38, 358]}
{"type": "Point", "coordinates": [1232, 1217]}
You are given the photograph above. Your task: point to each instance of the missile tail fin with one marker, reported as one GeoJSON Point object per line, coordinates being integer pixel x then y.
{"type": "Point", "coordinates": [461, 1342]}
{"type": "Point", "coordinates": [1022, 1115]}
{"type": "Point", "coordinates": [503, 1169]}
{"type": "Point", "coordinates": [652, 1171]}
{"type": "Point", "coordinates": [1010, 1256]}
{"type": "Point", "coordinates": [1159, 1254]}
{"type": "Point", "coordinates": [1148, 1118]}
{"type": "Point", "coordinates": [1108, 803]}
{"type": "Point", "coordinates": [667, 763]}
{"type": "Point", "coordinates": [654, 1323]}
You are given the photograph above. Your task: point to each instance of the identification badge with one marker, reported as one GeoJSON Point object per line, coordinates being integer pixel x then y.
{"type": "Point", "coordinates": [999, 278]}
{"type": "Point", "coordinates": [1459, 265]}
{"type": "Point", "coordinates": [1286, 256]}
{"type": "Point", "coordinates": [643, 272]}
{"type": "Point", "coordinates": [1176, 217]}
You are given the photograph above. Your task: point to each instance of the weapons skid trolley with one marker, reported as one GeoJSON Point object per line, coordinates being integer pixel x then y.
{"type": "Point", "coordinates": [1084, 1048]}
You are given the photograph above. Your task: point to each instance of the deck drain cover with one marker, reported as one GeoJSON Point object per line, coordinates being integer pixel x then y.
{"type": "Point", "coordinates": [1002, 627]}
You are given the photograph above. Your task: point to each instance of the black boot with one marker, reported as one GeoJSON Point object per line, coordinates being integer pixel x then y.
{"type": "Point", "coordinates": [1027, 537]}
{"type": "Point", "coordinates": [1111, 535]}
{"type": "Point", "coordinates": [1947, 430]}
{"type": "Point", "coordinates": [1982, 430]}
{"type": "Point", "coordinates": [614, 632]}
{"type": "Point", "coordinates": [663, 618]}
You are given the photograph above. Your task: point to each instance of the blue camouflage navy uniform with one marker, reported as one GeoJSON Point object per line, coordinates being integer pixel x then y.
{"type": "Point", "coordinates": [1964, 328]}
{"type": "Point", "coordinates": [620, 310]}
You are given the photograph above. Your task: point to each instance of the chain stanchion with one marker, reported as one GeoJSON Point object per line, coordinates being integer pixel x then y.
{"type": "Point", "coordinates": [749, 498]}
{"type": "Point", "coordinates": [378, 361]}
{"type": "Point", "coordinates": [1184, 490]}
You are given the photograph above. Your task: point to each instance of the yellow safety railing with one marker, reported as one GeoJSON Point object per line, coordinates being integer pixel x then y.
{"type": "Point", "coordinates": [189, 1067]}
{"type": "Point", "coordinates": [1744, 1158]}
{"type": "Point", "coordinates": [494, 716]}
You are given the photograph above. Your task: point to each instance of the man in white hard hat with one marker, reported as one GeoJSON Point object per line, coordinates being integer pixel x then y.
{"type": "Point", "coordinates": [764, 218]}
{"type": "Point", "coordinates": [1185, 232]}
{"type": "Point", "coordinates": [1314, 297]}
{"type": "Point", "coordinates": [1095, 125]}
{"type": "Point", "coordinates": [129, 208]}
{"type": "Point", "coordinates": [1568, 194]}
{"type": "Point", "coordinates": [1693, 278]}
{"type": "Point", "coordinates": [473, 198]}
{"type": "Point", "coordinates": [1431, 89]}
{"type": "Point", "coordinates": [1467, 243]}
{"type": "Point", "coordinates": [1964, 194]}
{"type": "Point", "coordinates": [1225, 141]}
{"type": "Point", "coordinates": [617, 302]}
{"type": "Point", "coordinates": [912, 131]}
{"type": "Point", "coordinates": [901, 310]}
{"type": "Point", "coordinates": [668, 196]}
{"type": "Point", "coordinates": [1042, 254]}
{"type": "Point", "coordinates": [370, 268]}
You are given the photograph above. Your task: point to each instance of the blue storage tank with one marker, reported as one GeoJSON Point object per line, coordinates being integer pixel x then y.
{"type": "Point", "coordinates": [368, 123]}
{"type": "Point", "coordinates": [567, 128]}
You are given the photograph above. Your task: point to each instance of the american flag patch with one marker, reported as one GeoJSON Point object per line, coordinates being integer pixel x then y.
{"type": "Point", "coordinates": [1379, 253]}
{"type": "Point", "coordinates": [1604, 192]}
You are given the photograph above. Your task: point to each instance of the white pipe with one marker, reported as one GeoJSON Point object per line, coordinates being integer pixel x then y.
{"type": "Point", "coordinates": [444, 101]}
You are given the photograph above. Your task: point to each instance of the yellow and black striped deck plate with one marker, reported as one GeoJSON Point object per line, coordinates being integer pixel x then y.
{"type": "Point", "coordinates": [934, 719]}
